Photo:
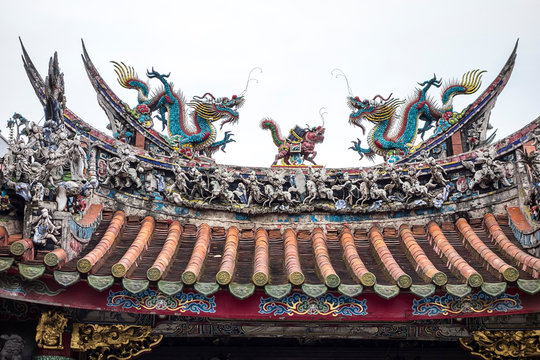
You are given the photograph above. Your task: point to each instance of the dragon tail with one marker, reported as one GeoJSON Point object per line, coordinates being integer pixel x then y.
{"type": "Point", "coordinates": [128, 79]}
{"type": "Point", "coordinates": [269, 124]}
{"type": "Point", "coordinates": [469, 84]}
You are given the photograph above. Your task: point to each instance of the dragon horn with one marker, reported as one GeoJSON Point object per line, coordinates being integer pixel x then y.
{"type": "Point", "coordinates": [383, 99]}
{"type": "Point", "coordinates": [322, 114]}
{"type": "Point", "coordinates": [250, 78]}
{"type": "Point", "coordinates": [212, 96]}
{"type": "Point", "coordinates": [341, 73]}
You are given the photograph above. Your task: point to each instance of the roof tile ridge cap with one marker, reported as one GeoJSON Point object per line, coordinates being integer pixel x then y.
{"type": "Point", "coordinates": [91, 260]}
{"type": "Point", "coordinates": [261, 261]}
{"type": "Point", "coordinates": [292, 257]}
{"type": "Point", "coordinates": [136, 249]}
{"type": "Point", "coordinates": [419, 254]}
{"type": "Point", "coordinates": [403, 279]}
{"type": "Point", "coordinates": [230, 255]}
{"type": "Point", "coordinates": [453, 257]}
{"type": "Point", "coordinates": [352, 257]}
{"type": "Point", "coordinates": [322, 258]}
{"type": "Point", "coordinates": [163, 261]}
{"type": "Point", "coordinates": [198, 255]}
{"type": "Point", "coordinates": [497, 235]}
{"type": "Point", "coordinates": [488, 255]}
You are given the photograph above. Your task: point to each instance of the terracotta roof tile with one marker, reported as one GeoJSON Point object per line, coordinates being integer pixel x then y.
{"type": "Point", "coordinates": [322, 258]}
{"type": "Point", "coordinates": [163, 260]}
{"type": "Point", "coordinates": [198, 256]}
{"type": "Point", "coordinates": [496, 263]}
{"type": "Point", "coordinates": [55, 258]}
{"type": "Point", "coordinates": [14, 237]}
{"type": "Point", "coordinates": [228, 262]}
{"type": "Point", "coordinates": [261, 259]}
{"type": "Point", "coordinates": [423, 264]}
{"type": "Point", "coordinates": [85, 264]}
{"type": "Point", "coordinates": [354, 261]}
{"type": "Point", "coordinates": [280, 256]}
{"type": "Point", "coordinates": [133, 253]}
{"type": "Point", "coordinates": [511, 251]}
{"type": "Point", "coordinates": [383, 253]}
{"type": "Point", "coordinates": [454, 260]}
{"type": "Point", "coordinates": [24, 248]}
{"type": "Point", "coordinates": [292, 259]}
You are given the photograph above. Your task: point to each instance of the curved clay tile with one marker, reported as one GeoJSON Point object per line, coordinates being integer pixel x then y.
{"type": "Point", "coordinates": [509, 273]}
{"type": "Point", "coordinates": [424, 266]}
{"type": "Point", "coordinates": [454, 261]}
{"type": "Point", "coordinates": [331, 278]}
{"type": "Point", "coordinates": [292, 259]}
{"type": "Point", "coordinates": [261, 267]}
{"type": "Point", "coordinates": [353, 259]}
{"type": "Point", "coordinates": [124, 265]}
{"type": "Point", "coordinates": [228, 262]}
{"type": "Point", "coordinates": [85, 264]}
{"type": "Point", "coordinates": [529, 263]}
{"type": "Point", "coordinates": [163, 260]}
{"type": "Point", "coordinates": [385, 256]}
{"type": "Point", "coordinates": [198, 256]}
{"type": "Point", "coordinates": [23, 247]}
{"type": "Point", "coordinates": [55, 258]}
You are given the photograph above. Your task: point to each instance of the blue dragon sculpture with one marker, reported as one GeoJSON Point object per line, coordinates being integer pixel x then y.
{"type": "Point", "coordinates": [397, 121]}
{"type": "Point", "coordinates": [195, 130]}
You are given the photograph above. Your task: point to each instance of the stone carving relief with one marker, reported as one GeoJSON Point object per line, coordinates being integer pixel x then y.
{"type": "Point", "coordinates": [13, 347]}
{"type": "Point", "coordinates": [487, 170]}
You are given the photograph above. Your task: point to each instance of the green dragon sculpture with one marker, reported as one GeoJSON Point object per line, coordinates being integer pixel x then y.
{"type": "Point", "coordinates": [194, 130]}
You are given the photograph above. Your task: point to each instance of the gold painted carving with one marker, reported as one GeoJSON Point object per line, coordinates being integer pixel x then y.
{"type": "Point", "coordinates": [49, 330]}
{"type": "Point", "coordinates": [503, 344]}
{"type": "Point", "coordinates": [119, 342]}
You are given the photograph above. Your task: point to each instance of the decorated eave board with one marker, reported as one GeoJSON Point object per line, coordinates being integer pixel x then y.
{"type": "Point", "coordinates": [145, 221]}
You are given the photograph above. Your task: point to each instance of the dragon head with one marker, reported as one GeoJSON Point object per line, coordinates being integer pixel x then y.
{"type": "Point", "coordinates": [315, 134]}
{"type": "Point", "coordinates": [227, 109]}
{"type": "Point", "coordinates": [376, 110]}
{"type": "Point", "coordinates": [212, 109]}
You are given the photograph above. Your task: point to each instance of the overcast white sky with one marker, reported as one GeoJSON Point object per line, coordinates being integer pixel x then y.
{"type": "Point", "coordinates": [383, 47]}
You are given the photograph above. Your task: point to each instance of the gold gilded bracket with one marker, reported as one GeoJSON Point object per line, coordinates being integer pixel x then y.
{"type": "Point", "coordinates": [119, 342]}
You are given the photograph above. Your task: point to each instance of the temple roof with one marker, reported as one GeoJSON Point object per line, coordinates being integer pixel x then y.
{"type": "Point", "coordinates": [139, 252]}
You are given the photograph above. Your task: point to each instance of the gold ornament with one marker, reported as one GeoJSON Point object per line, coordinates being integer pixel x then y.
{"type": "Point", "coordinates": [49, 330]}
{"type": "Point", "coordinates": [119, 342]}
{"type": "Point", "coordinates": [500, 345]}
